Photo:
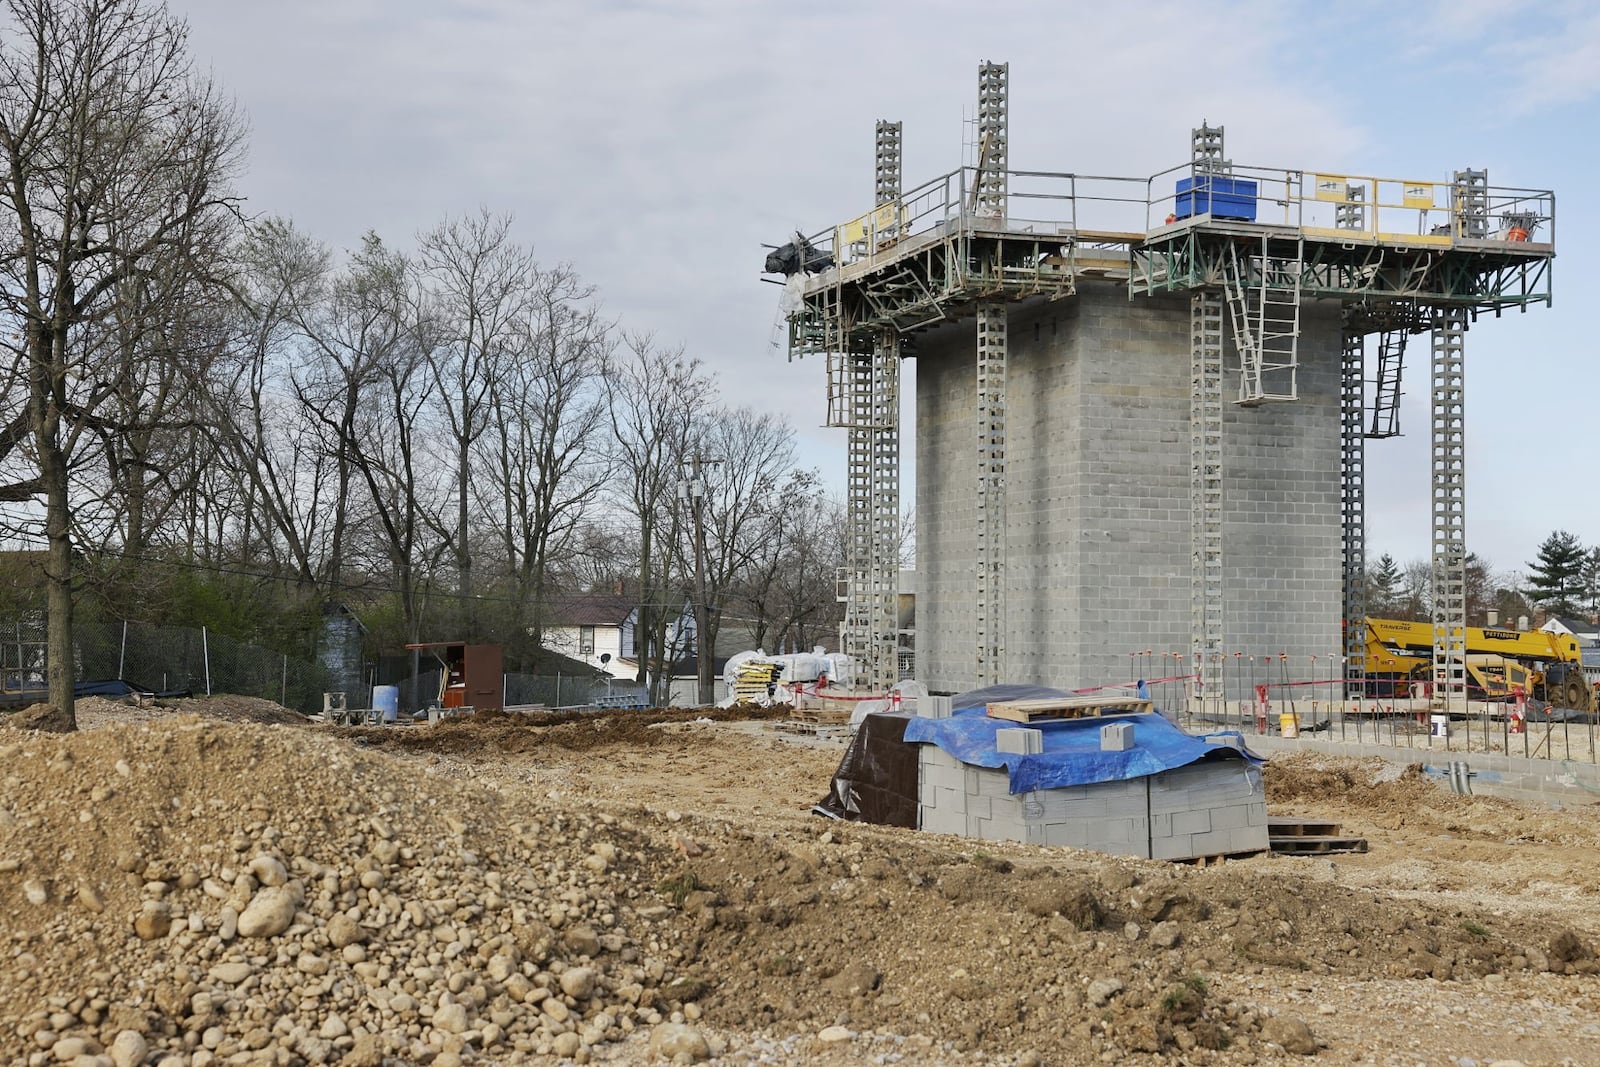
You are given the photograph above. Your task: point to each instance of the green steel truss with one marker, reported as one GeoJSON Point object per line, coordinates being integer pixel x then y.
{"type": "Point", "coordinates": [1479, 279]}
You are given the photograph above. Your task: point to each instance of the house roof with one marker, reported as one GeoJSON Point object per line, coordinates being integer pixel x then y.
{"type": "Point", "coordinates": [590, 609]}
{"type": "Point", "coordinates": [1570, 624]}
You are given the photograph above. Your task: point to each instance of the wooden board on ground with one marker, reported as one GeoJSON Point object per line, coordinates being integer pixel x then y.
{"type": "Point", "coordinates": [1213, 860]}
{"type": "Point", "coordinates": [1311, 845]}
{"type": "Point", "coordinates": [1277, 827]}
{"type": "Point", "coordinates": [1077, 707]}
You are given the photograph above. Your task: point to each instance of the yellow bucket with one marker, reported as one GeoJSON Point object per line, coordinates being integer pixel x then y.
{"type": "Point", "coordinates": [1289, 724]}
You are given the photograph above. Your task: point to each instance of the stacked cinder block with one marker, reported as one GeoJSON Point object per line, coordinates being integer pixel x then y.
{"type": "Point", "coordinates": [1207, 809]}
{"type": "Point", "coordinates": [1204, 809]}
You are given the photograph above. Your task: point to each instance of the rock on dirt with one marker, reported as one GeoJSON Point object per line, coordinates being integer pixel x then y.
{"type": "Point", "coordinates": [46, 718]}
{"type": "Point", "coordinates": [1292, 1035]}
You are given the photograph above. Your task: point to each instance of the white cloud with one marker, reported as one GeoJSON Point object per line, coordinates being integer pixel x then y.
{"type": "Point", "coordinates": [655, 145]}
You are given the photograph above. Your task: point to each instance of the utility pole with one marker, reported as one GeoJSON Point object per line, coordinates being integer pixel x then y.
{"type": "Point", "coordinates": [692, 490]}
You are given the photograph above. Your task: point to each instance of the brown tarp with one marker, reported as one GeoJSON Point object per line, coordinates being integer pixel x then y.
{"type": "Point", "coordinates": [877, 779]}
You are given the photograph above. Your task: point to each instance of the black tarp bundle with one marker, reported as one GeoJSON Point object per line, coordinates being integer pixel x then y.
{"type": "Point", "coordinates": [877, 779]}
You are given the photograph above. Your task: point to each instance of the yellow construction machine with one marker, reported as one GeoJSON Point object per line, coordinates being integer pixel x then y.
{"type": "Point", "coordinates": [1543, 665]}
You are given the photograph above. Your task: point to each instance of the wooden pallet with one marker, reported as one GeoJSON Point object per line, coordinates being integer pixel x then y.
{"type": "Point", "coordinates": [1301, 828]}
{"type": "Point", "coordinates": [1302, 837]}
{"type": "Point", "coordinates": [1312, 845]}
{"type": "Point", "coordinates": [810, 729]}
{"type": "Point", "coordinates": [823, 716]}
{"type": "Point", "coordinates": [1217, 859]}
{"type": "Point", "coordinates": [1077, 707]}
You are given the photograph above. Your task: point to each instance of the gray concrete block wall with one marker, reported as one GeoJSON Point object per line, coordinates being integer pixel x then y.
{"type": "Point", "coordinates": [1211, 808]}
{"type": "Point", "coordinates": [1205, 809]}
{"type": "Point", "coordinates": [1097, 550]}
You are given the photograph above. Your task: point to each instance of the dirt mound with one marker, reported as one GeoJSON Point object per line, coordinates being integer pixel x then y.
{"type": "Point", "coordinates": [1372, 785]}
{"type": "Point", "coordinates": [236, 892]}
{"type": "Point", "coordinates": [46, 718]}
{"type": "Point", "coordinates": [232, 708]}
{"type": "Point", "coordinates": [507, 733]}
{"type": "Point", "coordinates": [242, 886]}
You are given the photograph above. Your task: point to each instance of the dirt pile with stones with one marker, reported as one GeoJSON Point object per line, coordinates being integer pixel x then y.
{"type": "Point", "coordinates": [205, 891]}
{"type": "Point", "coordinates": [189, 893]}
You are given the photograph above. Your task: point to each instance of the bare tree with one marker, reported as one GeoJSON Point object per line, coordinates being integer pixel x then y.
{"type": "Point", "coordinates": [654, 395]}
{"type": "Point", "coordinates": [479, 282]}
{"type": "Point", "coordinates": [786, 595]}
{"type": "Point", "coordinates": [370, 387]}
{"type": "Point", "coordinates": [286, 459]}
{"type": "Point", "coordinates": [744, 508]}
{"type": "Point", "coordinates": [547, 414]}
{"type": "Point", "coordinates": [117, 156]}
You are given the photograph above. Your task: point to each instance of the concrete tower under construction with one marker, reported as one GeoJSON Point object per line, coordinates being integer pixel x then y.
{"type": "Point", "coordinates": [1142, 404]}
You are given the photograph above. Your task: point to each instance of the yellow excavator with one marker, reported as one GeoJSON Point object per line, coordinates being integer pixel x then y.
{"type": "Point", "coordinates": [1543, 665]}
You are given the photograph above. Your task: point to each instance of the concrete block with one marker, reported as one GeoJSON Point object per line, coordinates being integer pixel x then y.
{"type": "Point", "coordinates": [935, 821]}
{"type": "Point", "coordinates": [995, 785]}
{"type": "Point", "coordinates": [1024, 742]}
{"type": "Point", "coordinates": [1116, 737]}
{"type": "Point", "coordinates": [1066, 835]}
{"type": "Point", "coordinates": [1230, 817]}
{"type": "Point", "coordinates": [1180, 847]}
{"type": "Point", "coordinates": [1118, 831]}
{"type": "Point", "coordinates": [934, 708]}
{"type": "Point", "coordinates": [952, 800]}
{"type": "Point", "coordinates": [942, 778]}
{"type": "Point", "coordinates": [981, 807]}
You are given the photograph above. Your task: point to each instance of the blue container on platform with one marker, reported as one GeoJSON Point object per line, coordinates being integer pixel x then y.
{"type": "Point", "coordinates": [1223, 198]}
{"type": "Point", "coordinates": [386, 702]}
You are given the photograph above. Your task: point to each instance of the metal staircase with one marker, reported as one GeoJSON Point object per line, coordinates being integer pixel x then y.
{"type": "Point", "coordinates": [1386, 386]}
{"type": "Point", "coordinates": [1263, 295]}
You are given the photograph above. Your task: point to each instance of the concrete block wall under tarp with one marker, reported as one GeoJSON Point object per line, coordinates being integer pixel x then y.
{"type": "Point", "coordinates": [1170, 797]}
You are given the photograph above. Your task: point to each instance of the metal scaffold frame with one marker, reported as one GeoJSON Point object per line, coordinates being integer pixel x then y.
{"type": "Point", "coordinates": [1258, 241]}
{"type": "Point", "coordinates": [869, 383]}
{"type": "Point", "coordinates": [1205, 488]}
{"type": "Point", "coordinates": [990, 525]}
{"type": "Point", "coordinates": [1263, 292]}
{"type": "Point", "coordinates": [1352, 498]}
{"type": "Point", "coordinates": [1449, 511]}
{"type": "Point", "coordinates": [990, 185]}
{"type": "Point", "coordinates": [884, 581]}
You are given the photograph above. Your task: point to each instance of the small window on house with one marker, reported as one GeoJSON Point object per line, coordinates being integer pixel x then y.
{"type": "Point", "coordinates": [586, 640]}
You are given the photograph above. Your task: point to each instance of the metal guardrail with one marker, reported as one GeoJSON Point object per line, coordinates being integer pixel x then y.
{"type": "Point", "coordinates": [1323, 203]}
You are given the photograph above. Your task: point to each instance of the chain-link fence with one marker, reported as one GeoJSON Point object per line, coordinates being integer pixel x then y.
{"type": "Point", "coordinates": [168, 658]}
{"type": "Point", "coordinates": [172, 659]}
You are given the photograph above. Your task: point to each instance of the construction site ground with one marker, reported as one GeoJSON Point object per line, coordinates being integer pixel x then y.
{"type": "Point", "coordinates": [636, 887]}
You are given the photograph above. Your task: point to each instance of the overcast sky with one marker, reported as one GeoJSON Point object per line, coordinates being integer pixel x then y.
{"type": "Point", "coordinates": [655, 145]}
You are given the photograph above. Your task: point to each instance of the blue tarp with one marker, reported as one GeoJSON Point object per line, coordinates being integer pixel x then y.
{"type": "Point", "coordinates": [1072, 755]}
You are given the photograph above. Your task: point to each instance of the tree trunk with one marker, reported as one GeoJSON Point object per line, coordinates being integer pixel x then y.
{"type": "Point", "coordinates": [58, 562]}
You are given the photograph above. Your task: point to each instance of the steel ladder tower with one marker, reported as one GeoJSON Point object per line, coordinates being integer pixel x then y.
{"type": "Point", "coordinates": [1206, 597]}
{"type": "Point", "coordinates": [1353, 500]}
{"type": "Point", "coordinates": [1470, 204]}
{"type": "Point", "coordinates": [989, 201]}
{"type": "Point", "coordinates": [872, 495]}
{"type": "Point", "coordinates": [885, 587]}
{"type": "Point", "coordinates": [1449, 512]}
{"type": "Point", "coordinates": [1205, 500]}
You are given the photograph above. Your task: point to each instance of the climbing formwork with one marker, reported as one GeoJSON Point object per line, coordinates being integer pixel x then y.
{"type": "Point", "coordinates": [1275, 267]}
